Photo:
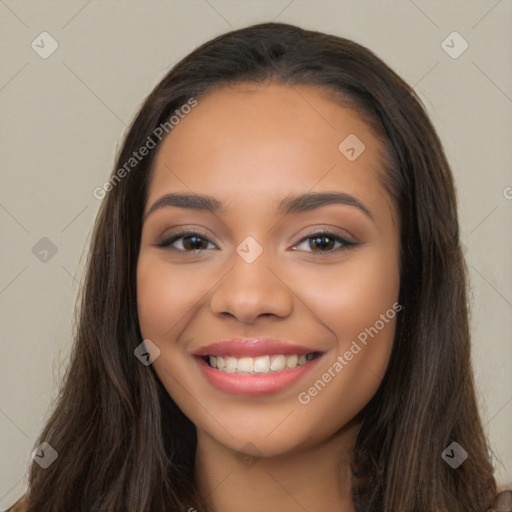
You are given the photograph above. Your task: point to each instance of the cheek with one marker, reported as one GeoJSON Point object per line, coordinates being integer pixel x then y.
{"type": "Point", "coordinates": [168, 294]}
{"type": "Point", "coordinates": [154, 297]}
{"type": "Point", "coordinates": [354, 297]}
{"type": "Point", "coordinates": [363, 299]}
{"type": "Point", "coordinates": [164, 296]}
{"type": "Point", "coordinates": [360, 307]}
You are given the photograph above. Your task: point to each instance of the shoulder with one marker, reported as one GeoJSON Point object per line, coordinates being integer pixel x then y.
{"type": "Point", "coordinates": [502, 501]}
{"type": "Point", "coordinates": [19, 506]}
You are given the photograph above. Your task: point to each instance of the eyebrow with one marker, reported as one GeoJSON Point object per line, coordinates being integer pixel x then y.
{"type": "Point", "coordinates": [290, 204]}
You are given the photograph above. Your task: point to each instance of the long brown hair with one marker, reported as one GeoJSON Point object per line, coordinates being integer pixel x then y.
{"type": "Point", "coordinates": [122, 443]}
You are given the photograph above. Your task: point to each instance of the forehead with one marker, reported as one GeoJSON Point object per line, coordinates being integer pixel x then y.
{"type": "Point", "coordinates": [250, 139]}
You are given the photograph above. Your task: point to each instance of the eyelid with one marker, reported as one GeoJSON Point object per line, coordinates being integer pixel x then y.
{"type": "Point", "coordinates": [346, 242]}
{"type": "Point", "coordinates": [328, 231]}
{"type": "Point", "coordinates": [168, 240]}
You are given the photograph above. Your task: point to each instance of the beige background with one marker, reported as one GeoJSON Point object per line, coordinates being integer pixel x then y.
{"type": "Point", "coordinates": [63, 116]}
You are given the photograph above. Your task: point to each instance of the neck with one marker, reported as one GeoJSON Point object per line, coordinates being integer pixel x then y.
{"type": "Point", "coordinates": [314, 477]}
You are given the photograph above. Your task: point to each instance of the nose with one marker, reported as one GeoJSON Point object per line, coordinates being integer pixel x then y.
{"type": "Point", "coordinates": [251, 290]}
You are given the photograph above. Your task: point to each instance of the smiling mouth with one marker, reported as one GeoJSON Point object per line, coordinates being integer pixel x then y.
{"type": "Point", "coordinates": [259, 365]}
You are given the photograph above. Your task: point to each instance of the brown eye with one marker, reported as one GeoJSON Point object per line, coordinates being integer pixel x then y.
{"type": "Point", "coordinates": [322, 242]}
{"type": "Point", "coordinates": [325, 242]}
{"type": "Point", "coordinates": [190, 241]}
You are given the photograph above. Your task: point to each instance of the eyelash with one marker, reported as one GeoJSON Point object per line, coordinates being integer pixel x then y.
{"type": "Point", "coordinates": [346, 244]}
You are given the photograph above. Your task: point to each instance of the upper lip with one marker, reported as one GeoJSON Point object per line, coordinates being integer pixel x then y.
{"type": "Point", "coordinates": [252, 347]}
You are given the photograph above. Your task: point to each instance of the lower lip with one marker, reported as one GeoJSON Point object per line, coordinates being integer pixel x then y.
{"type": "Point", "coordinates": [254, 384]}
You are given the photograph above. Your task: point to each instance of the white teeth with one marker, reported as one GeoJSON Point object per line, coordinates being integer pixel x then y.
{"type": "Point", "coordinates": [292, 361]}
{"type": "Point", "coordinates": [261, 364]}
{"type": "Point", "coordinates": [278, 363]}
{"type": "Point", "coordinates": [231, 364]}
{"type": "Point", "coordinates": [245, 364]}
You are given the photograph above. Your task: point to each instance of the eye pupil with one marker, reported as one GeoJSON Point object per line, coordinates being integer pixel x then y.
{"type": "Point", "coordinates": [192, 242]}
{"type": "Point", "coordinates": [325, 242]}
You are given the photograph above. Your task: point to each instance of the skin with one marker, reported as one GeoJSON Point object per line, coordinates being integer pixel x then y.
{"type": "Point", "coordinates": [250, 146]}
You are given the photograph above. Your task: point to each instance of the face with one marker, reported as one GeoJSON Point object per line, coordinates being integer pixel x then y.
{"type": "Point", "coordinates": [318, 276]}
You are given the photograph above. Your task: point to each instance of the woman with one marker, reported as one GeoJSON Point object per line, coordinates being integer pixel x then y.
{"type": "Point", "coordinates": [274, 313]}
